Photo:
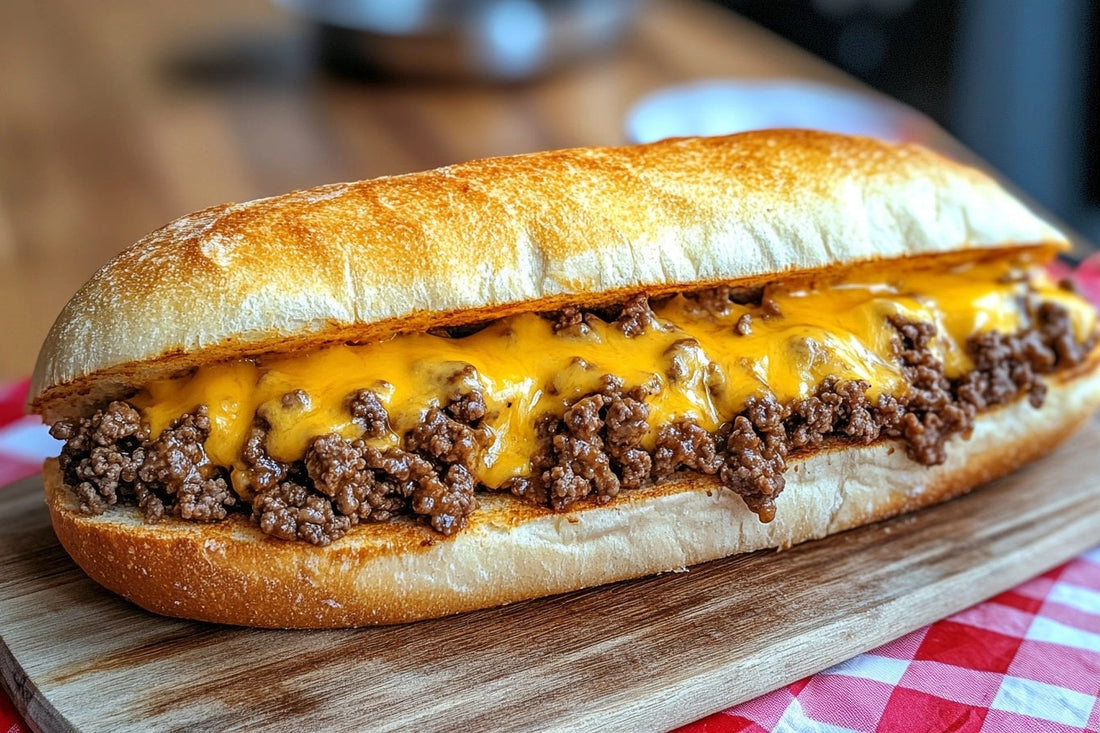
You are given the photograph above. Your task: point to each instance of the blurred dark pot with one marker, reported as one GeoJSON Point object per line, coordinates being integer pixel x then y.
{"type": "Point", "coordinates": [495, 40]}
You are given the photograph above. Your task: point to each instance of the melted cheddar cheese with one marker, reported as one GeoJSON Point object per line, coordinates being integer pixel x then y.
{"type": "Point", "coordinates": [694, 364]}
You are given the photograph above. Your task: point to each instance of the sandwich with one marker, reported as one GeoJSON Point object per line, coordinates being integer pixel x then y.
{"type": "Point", "coordinates": [420, 395]}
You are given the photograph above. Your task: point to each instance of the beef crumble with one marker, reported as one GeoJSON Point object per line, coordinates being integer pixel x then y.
{"type": "Point", "coordinates": [369, 412]}
{"type": "Point", "coordinates": [102, 455]}
{"type": "Point", "coordinates": [717, 300]}
{"type": "Point", "coordinates": [178, 477]}
{"type": "Point", "coordinates": [347, 481]}
{"type": "Point", "coordinates": [591, 453]}
{"type": "Point", "coordinates": [632, 318]}
{"type": "Point", "coordinates": [110, 457]}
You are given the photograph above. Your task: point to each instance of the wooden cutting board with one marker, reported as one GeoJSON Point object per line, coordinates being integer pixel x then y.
{"type": "Point", "coordinates": [645, 654]}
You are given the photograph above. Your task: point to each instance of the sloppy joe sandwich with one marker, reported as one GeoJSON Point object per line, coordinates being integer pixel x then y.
{"type": "Point", "coordinates": [402, 398]}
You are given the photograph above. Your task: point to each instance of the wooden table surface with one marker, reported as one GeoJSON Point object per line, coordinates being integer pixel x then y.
{"type": "Point", "coordinates": [117, 117]}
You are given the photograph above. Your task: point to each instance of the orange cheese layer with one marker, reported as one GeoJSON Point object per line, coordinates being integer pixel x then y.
{"type": "Point", "coordinates": [695, 364]}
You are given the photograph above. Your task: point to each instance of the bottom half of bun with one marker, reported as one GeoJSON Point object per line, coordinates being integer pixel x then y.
{"type": "Point", "coordinates": [230, 572]}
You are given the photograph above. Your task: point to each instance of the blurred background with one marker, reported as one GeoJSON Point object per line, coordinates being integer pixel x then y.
{"type": "Point", "coordinates": [118, 116]}
{"type": "Point", "coordinates": [1014, 80]}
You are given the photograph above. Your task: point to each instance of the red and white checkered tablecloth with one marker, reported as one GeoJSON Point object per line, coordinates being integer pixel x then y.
{"type": "Point", "coordinates": [1026, 660]}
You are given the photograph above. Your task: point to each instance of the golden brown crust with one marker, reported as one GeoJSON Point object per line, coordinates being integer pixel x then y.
{"type": "Point", "coordinates": [356, 262]}
{"type": "Point", "coordinates": [389, 573]}
{"type": "Point", "coordinates": [469, 242]}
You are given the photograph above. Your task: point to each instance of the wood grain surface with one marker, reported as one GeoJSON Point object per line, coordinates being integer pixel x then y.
{"type": "Point", "coordinates": [639, 655]}
{"type": "Point", "coordinates": [117, 117]}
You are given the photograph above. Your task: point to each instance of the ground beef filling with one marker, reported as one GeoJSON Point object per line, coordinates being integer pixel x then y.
{"type": "Point", "coordinates": [591, 453]}
{"type": "Point", "coordinates": [110, 456]}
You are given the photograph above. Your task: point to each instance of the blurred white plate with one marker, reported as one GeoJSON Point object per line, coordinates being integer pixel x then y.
{"type": "Point", "coordinates": [722, 107]}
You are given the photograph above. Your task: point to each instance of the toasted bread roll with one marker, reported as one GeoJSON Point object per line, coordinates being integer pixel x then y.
{"type": "Point", "coordinates": [403, 398]}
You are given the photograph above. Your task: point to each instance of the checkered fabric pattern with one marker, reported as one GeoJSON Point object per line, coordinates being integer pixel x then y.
{"type": "Point", "coordinates": [10, 722]}
{"type": "Point", "coordinates": [23, 439]}
{"type": "Point", "coordinates": [1026, 660]}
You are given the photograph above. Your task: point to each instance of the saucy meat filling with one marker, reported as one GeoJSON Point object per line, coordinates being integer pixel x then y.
{"type": "Point", "coordinates": [604, 443]}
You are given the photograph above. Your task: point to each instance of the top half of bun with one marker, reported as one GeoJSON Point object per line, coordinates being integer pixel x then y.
{"type": "Point", "coordinates": [358, 261]}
